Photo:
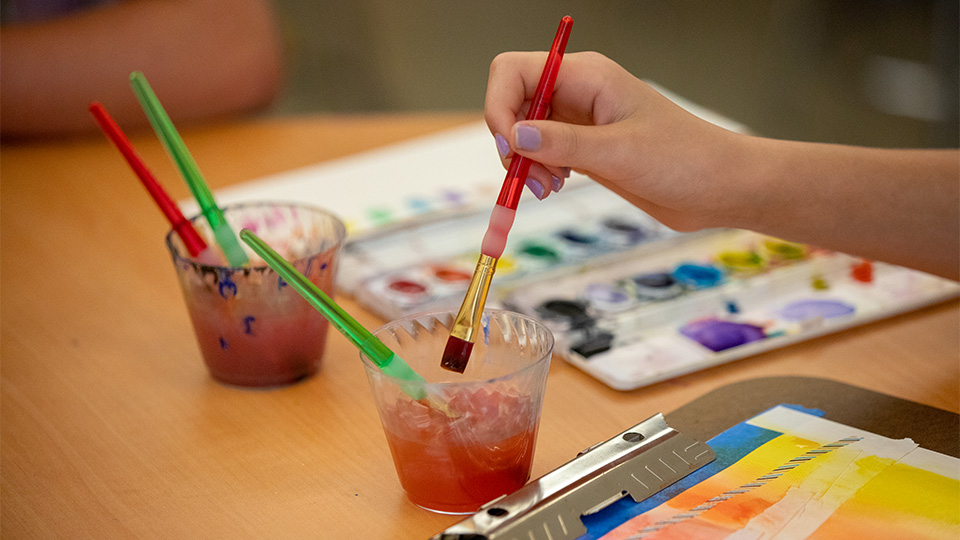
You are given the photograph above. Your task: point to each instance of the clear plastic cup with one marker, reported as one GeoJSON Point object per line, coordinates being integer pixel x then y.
{"type": "Point", "coordinates": [252, 327]}
{"type": "Point", "coordinates": [472, 438]}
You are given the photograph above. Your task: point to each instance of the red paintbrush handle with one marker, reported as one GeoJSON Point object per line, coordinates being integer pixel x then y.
{"type": "Point", "coordinates": [520, 166]}
{"type": "Point", "coordinates": [513, 183]}
{"type": "Point", "coordinates": [548, 79]}
{"type": "Point", "coordinates": [191, 239]}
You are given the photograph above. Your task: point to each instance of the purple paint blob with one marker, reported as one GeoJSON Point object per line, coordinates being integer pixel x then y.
{"type": "Point", "coordinates": [718, 335]}
{"type": "Point", "coordinates": [607, 298]}
{"type": "Point", "coordinates": [453, 197]}
{"type": "Point", "coordinates": [804, 310]}
{"type": "Point", "coordinates": [602, 292]}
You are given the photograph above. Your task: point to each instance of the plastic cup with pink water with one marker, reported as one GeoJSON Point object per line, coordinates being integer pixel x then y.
{"type": "Point", "coordinates": [479, 442]}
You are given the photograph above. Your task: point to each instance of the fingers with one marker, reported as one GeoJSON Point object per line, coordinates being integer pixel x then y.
{"type": "Point", "coordinates": [558, 144]}
{"type": "Point", "coordinates": [558, 147]}
{"type": "Point", "coordinates": [512, 82]}
{"type": "Point", "coordinates": [589, 91]}
{"type": "Point", "coordinates": [612, 127]}
{"type": "Point", "coordinates": [590, 88]}
{"type": "Point", "coordinates": [542, 181]}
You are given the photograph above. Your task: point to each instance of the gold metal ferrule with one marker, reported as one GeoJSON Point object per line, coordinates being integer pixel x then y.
{"type": "Point", "coordinates": [467, 323]}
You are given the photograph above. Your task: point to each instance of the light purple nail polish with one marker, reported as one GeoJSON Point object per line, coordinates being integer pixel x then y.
{"type": "Point", "coordinates": [557, 184]}
{"type": "Point", "coordinates": [535, 188]}
{"type": "Point", "coordinates": [528, 138]}
{"type": "Point", "coordinates": [502, 145]}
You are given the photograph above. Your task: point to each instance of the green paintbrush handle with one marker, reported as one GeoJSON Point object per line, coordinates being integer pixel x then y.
{"type": "Point", "coordinates": [175, 146]}
{"type": "Point", "coordinates": [363, 339]}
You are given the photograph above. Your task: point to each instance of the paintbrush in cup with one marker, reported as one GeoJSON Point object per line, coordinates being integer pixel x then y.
{"type": "Point", "coordinates": [175, 146]}
{"type": "Point", "coordinates": [466, 325]}
{"type": "Point", "coordinates": [389, 363]}
{"type": "Point", "coordinates": [192, 240]}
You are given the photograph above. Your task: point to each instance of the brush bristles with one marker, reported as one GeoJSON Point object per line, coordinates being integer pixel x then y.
{"type": "Point", "coordinates": [456, 354]}
{"type": "Point", "coordinates": [465, 324]}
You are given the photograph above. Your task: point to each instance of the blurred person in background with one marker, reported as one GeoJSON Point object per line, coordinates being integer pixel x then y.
{"type": "Point", "coordinates": [203, 58]}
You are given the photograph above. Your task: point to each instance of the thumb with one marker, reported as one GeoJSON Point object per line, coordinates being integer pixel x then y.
{"type": "Point", "coordinates": [561, 144]}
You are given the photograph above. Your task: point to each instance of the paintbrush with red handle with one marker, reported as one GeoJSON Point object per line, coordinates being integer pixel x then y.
{"type": "Point", "coordinates": [463, 334]}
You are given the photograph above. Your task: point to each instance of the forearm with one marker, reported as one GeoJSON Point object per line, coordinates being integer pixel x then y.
{"type": "Point", "coordinates": [898, 206]}
{"type": "Point", "coordinates": [203, 58]}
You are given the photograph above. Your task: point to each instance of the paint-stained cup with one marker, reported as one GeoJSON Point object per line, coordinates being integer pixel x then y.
{"type": "Point", "coordinates": [252, 327]}
{"type": "Point", "coordinates": [470, 438]}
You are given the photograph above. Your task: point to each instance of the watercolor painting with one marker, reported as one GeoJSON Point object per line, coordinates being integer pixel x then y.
{"type": "Point", "coordinates": [790, 474]}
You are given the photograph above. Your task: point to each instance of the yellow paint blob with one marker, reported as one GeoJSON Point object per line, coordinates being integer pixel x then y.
{"type": "Point", "coordinates": [781, 249]}
{"type": "Point", "coordinates": [819, 283]}
{"type": "Point", "coordinates": [742, 262]}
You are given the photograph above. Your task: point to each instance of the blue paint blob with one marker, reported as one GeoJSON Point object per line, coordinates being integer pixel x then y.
{"type": "Point", "coordinates": [248, 324]}
{"type": "Point", "coordinates": [281, 283]}
{"type": "Point", "coordinates": [419, 205]}
{"type": "Point", "coordinates": [805, 310]}
{"type": "Point", "coordinates": [718, 335]}
{"type": "Point", "coordinates": [578, 238]}
{"type": "Point", "coordinates": [223, 344]}
{"type": "Point", "coordinates": [698, 276]}
{"type": "Point", "coordinates": [227, 288]}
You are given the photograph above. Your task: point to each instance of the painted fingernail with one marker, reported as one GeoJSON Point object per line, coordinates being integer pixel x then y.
{"type": "Point", "coordinates": [535, 188]}
{"type": "Point", "coordinates": [502, 145]}
{"type": "Point", "coordinates": [528, 138]}
{"type": "Point", "coordinates": [557, 184]}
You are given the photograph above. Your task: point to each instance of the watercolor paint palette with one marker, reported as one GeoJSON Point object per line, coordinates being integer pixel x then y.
{"type": "Point", "coordinates": [630, 301]}
{"type": "Point", "coordinates": [711, 299]}
{"type": "Point", "coordinates": [427, 264]}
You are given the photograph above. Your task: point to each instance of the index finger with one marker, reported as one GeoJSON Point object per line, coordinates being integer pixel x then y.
{"type": "Point", "coordinates": [510, 86]}
{"type": "Point", "coordinates": [583, 94]}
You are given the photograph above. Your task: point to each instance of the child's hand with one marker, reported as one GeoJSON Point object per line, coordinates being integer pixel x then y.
{"type": "Point", "coordinates": [613, 127]}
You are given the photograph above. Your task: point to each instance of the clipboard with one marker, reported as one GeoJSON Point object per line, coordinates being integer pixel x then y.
{"type": "Point", "coordinates": [668, 448]}
{"type": "Point", "coordinates": [932, 428]}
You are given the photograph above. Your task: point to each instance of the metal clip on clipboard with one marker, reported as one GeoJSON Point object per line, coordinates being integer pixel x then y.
{"type": "Point", "coordinates": [638, 462]}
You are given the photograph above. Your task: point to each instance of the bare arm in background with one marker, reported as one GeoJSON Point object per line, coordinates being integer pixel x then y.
{"type": "Point", "coordinates": [898, 206]}
{"type": "Point", "coordinates": [203, 58]}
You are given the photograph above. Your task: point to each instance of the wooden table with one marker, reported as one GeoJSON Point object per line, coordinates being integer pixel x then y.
{"type": "Point", "coordinates": [111, 427]}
